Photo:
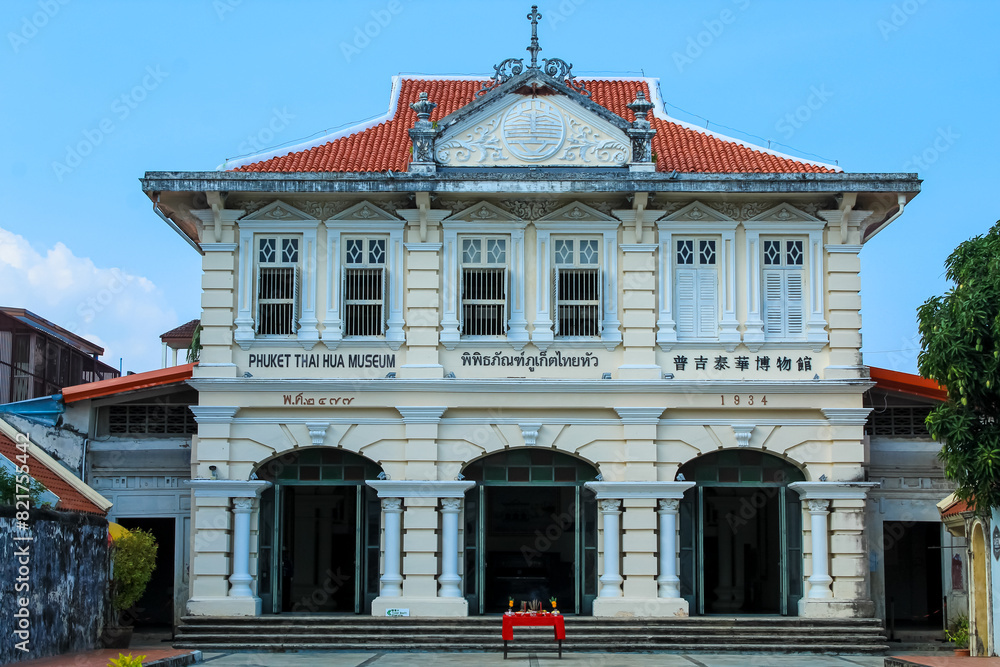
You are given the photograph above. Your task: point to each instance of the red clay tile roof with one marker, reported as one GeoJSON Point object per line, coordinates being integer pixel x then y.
{"type": "Point", "coordinates": [905, 383]}
{"type": "Point", "coordinates": [69, 498]}
{"type": "Point", "coordinates": [386, 146]}
{"type": "Point", "coordinates": [183, 332]}
{"type": "Point", "coordinates": [157, 378]}
{"type": "Point", "coordinates": [956, 507]}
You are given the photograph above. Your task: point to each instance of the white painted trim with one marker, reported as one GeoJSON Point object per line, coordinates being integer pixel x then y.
{"type": "Point", "coordinates": [212, 414]}
{"type": "Point", "coordinates": [846, 416]}
{"type": "Point", "coordinates": [474, 421]}
{"type": "Point", "coordinates": [638, 247]}
{"type": "Point", "coordinates": [227, 488]}
{"type": "Point", "coordinates": [640, 415]}
{"type": "Point", "coordinates": [219, 247]}
{"type": "Point", "coordinates": [622, 490]}
{"type": "Point", "coordinates": [419, 489]}
{"type": "Point", "coordinates": [423, 247]}
{"type": "Point", "coordinates": [833, 490]}
{"type": "Point", "coordinates": [842, 248]}
{"type": "Point", "coordinates": [421, 414]}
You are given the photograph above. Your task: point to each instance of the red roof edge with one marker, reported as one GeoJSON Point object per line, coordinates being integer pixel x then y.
{"type": "Point", "coordinates": [955, 508]}
{"type": "Point", "coordinates": [70, 499]}
{"type": "Point", "coordinates": [906, 383]}
{"type": "Point", "coordinates": [157, 378]}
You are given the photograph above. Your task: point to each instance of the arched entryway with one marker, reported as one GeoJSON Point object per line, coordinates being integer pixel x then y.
{"type": "Point", "coordinates": [318, 533]}
{"type": "Point", "coordinates": [741, 534]}
{"type": "Point", "coordinates": [530, 531]}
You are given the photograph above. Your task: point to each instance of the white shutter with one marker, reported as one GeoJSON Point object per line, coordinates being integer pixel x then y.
{"type": "Point", "coordinates": [599, 325]}
{"type": "Point", "coordinates": [295, 300]}
{"type": "Point", "coordinates": [794, 303]}
{"type": "Point", "coordinates": [344, 308]}
{"type": "Point", "coordinates": [256, 322]}
{"type": "Point", "coordinates": [773, 296]}
{"type": "Point", "coordinates": [505, 321]}
{"type": "Point", "coordinates": [708, 304]}
{"type": "Point", "coordinates": [461, 300]}
{"type": "Point", "coordinates": [384, 319]}
{"type": "Point", "coordinates": [686, 302]}
{"type": "Point", "coordinates": [554, 306]}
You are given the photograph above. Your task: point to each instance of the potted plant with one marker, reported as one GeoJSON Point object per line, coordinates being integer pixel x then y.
{"type": "Point", "coordinates": [133, 558]}
{"type": "Point", "coordinates": [958, 634]}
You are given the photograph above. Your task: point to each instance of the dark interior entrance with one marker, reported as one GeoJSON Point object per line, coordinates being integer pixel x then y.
{"type": "Point", "coordinates": [530, 532]}
{"type": "Point", "coordinates": [156, 606]}
{"type": "Point", "coordinates": [530, 546]}
{"type": "Point", "coordinates": [319, 533]}
{"type": "Point", "coordinates": [741, 534]}
{"type": "Point", "coordinates": [913, 590]}
{"type": "Point", "coordinates": [743, 577]}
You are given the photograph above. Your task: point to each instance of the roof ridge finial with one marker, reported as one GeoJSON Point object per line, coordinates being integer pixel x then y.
{"type": "Point", "coordinates": [534, 48]}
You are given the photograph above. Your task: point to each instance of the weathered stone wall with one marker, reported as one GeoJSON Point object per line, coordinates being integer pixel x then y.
{"type": "Point", "coordinates": [67, 562]}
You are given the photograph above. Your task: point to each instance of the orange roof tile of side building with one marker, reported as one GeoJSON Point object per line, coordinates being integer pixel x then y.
{"type": "Point", "coordinates": [134, 382]}
{"type": "Point", "coordinates": [907, 383]}
{"type": "Point", "coordinates": [384, 145]}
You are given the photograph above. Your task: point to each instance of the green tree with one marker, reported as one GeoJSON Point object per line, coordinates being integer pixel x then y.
{"type": "Point", "coordinates": [960, 348]}
{"type": "Point", "coordinates": [133, 559]}
{"type": "Point", "coordinates": [9, 489]}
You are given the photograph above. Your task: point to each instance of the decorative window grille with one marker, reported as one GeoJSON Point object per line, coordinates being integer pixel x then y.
{"type": "Point", "coordinates": [484, 287]}
{"type": "Point", "coordinates": [364, 287]}
{"type": "Point", "coordinates": [697, 288]}
{"type": "Point", "coordinates": [577, 288]}
{"type": "Point", "coordinates": [277, 286]}
{"type": "Point", "coordinates": [899, 422]}
{"type": "Point", "coordinates": [784, 292]}
{"type": "Point", "coordinates": [151, 419]}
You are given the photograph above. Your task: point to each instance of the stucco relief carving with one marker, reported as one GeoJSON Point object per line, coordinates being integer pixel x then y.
{"type": "Point", "coordinates": [392, 504]}
{"type": "Point", "coordinates": [816, 505]}
{"type": "Point", "coordinates": [584, 140]}
{"type": "Point", "coordinates": [529, 209]}
{"type": "Point", "coordinates": [610, 504]}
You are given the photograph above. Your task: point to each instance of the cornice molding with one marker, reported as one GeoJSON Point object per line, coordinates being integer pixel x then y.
{"type": "Point", "coordinates": [421, 414]}
{"type": "Point", "coordinates": [219, 247]}
{"type": "Point", "coordinates": [227, 488]}
{"type": "Point", "coordinates": [640, 415]}
{"type": "Point", "coordinates": [656, 490]}
{"type": "Point", "coordinates": [833, 490]}
{"type": "Point", "coordinates": [846, 416]}
{"type": "Point", "coordinates": [214, 414]}
{"type": "Point", "coordinates": [391, 488]}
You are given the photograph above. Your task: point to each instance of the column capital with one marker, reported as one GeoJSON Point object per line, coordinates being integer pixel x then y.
{"type": "Point", "coordinates": [846, 416]}
{"type": "Point", "coordinates": [214, 414]}
{"type": "Point", "coordinates": [609, 505]}
{"type": "Point", "coordinates": [816, 506]}
{"type": "Point", "coordinates": [669, 506]}
{"type": "Point", "coordinates": [656, 490]}
{"type": "Point", "coordinates": [451, 505]}
{"type": "Point", "coordinates": [242, 505]}
{"type": "Point", "coordinates": [394, 505]}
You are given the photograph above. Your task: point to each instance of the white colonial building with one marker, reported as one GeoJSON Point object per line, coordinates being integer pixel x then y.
{"type": "Point", "coordinates": [528, 337]}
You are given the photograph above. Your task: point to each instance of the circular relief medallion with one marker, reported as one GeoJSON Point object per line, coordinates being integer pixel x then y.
{"type": "Point", "coordinates": [533, 130]}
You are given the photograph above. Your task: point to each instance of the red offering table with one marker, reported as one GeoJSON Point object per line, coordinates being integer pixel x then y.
{"type": "Point", "coordinates": [511, 621]}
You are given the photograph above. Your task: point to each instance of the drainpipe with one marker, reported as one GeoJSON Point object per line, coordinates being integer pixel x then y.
{"type": "Point", "coordinates": [901, 202]}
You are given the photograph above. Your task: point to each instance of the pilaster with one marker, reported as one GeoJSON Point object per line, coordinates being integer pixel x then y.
{"type": "Point", "coordinates": [423, 282]}
{"type": "Point", "coordinates": [639, 312]}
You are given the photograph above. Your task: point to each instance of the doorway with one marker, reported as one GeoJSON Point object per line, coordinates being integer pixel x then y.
{"type": "Point", "coordinates": [319, 534]}
{"type": "Point", "coordinates": [156, 606]}
{"type": "Point", "coordinates": [913, 587]}
{"type": "Point", "coordinates": [530, 532]}
{"type": "Point", "coordinates": [741, 535]}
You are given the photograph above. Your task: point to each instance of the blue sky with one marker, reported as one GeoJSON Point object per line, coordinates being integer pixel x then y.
{"type": "Point", "coordinates": [876, 86]}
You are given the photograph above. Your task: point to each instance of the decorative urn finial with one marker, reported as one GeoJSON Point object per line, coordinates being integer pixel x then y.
{"type": "Point", "coordinates": [641, 133]}
{"type": "Point", "coordinates": [422, 136]}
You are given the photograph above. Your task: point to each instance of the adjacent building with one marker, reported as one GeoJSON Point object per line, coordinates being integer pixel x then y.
{"type": "Point", "coordinates": [529, 337]}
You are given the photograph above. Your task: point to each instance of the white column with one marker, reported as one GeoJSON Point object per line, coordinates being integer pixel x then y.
{"type": "Point", "coordinates": [669, 584]}
{"type": "Point", "coordinates": [819, 580]}
{"type": "Point", "coordinates": [392, 580]}
{"type": "Point", "coordinates": [240, 580]}
{"type": "Point", "coordinates": [244, 333]}
{"type": "Point", "coordinates": [394, 335]}
{"type": "Point", "coordinates": [450, 578]}
{"type": "Point", "coordinates": [753, 335]}
{"type": "Point", "coordinates": [611, 580]}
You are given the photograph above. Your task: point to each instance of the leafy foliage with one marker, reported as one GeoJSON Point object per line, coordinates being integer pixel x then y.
{"type": "Point", "coordinates": [194, 351]}
{"type": "Point", "coordinates": [960, 348]}
{"type": "Point", "coordinates": [133, 559]}
{"type": "Point", "coordinates": [127, 660]}
{"type": "Point", "coordinates": [958, 632]}
{"type": "Point", "coordinates": [9, 490]}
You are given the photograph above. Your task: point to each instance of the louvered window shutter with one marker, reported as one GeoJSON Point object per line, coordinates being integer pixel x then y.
{"type": "Point", "coordinates": [795, 303]}
{"type": "Point", "coordinates": [295, 300]}
{"type": "Point", "coordinates": [686, 302]}
{"type": "Point", "coordinates": [708, 304]}
{"type": "Point", "coordinates": [257, 319]}
{"type": "Point", "coordinates": [554, 306]}
{"type": "Point", "coordinates": [773, 298]}
{"type": "Point", "coordinates": [504, 317]}
{"type": "Point", "coordinates": [599, 324]}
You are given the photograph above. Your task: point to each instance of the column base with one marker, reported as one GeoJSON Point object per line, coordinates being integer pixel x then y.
{"type": "Point", "coordinates": [426, 607]}
{"type": "Point", "coordinates": [834, 608]}
{"type": "Point", "coordinates": [640, 607]}
{"type": "Point", "coordinates": [228, 606]}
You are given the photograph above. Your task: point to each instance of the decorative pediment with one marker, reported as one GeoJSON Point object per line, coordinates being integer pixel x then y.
{"type": "Point", "coordinates": [784, 213]}
{"type": "Point", "coordinates": [525, 131]}
{"type": "Point", "coordinates": [578, 212]}
{"type": "Point", "coordinates": [696, 213]}
{"type": "Point", "coordinates": [280, 211]}
{"type": "Point", "coordinates": [483, 212]}
{"type": "Point", "coordinates": [366, 211]}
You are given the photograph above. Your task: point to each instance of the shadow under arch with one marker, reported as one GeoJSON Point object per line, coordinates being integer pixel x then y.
{"type": "Point", "coordinates": [530, 530]}
{"type": "Point", "coordinates": [741, 534]}
{"type": "Point", "coordinates": [318, 532]}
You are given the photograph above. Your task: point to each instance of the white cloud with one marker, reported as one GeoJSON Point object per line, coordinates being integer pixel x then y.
{"type": "Point", "coordinates": [122, 312]}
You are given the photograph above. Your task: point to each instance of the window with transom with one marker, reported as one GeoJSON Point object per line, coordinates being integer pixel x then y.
{"type": "Point", "coordinates": [484, 286]}
{"type": "Point", "coordinates": [696, 287]}
{"type": "Point", "coordinates": [783, 287]}
{"type": "Point", "coordinates": [277, 286]}
{"type": "Point", "coordinates": [364, 286]}
{"type": "Point", "coordinates": [577, 287]}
